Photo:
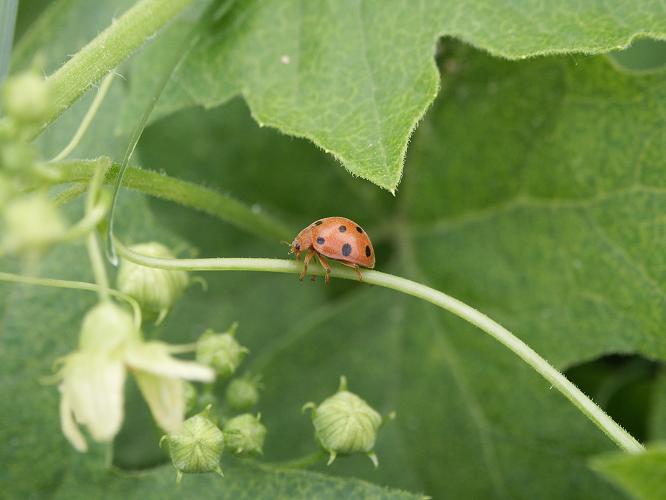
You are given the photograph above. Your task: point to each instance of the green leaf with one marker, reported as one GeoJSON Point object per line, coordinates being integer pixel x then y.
{"type": "Point", "coordinates": [641, 476]}
{"type": "Point", "coordinates": [240, 482]}
{"type": "Point", "coordinates": [355, 77]}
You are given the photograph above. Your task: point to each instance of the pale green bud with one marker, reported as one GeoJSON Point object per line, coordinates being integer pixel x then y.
{"type": "Point", "coordinates": [108, 327]}
{"type": "Point", "coordinates": [27, 98]}
{"type": "Point", "coordinates": [243, 393]}
{"type": "Point", "coordinates": [345, 424]}
{"type": "Point", "coordinates": [31, 223]}
{"type": "Point", "coordinates": [197, 447]}
{"type": "Point", "coordinates": [156, 290]}
{"type": "Point", "coordinates": [245, 434]}
{"type": "Point", "coordinates": [221, 351]}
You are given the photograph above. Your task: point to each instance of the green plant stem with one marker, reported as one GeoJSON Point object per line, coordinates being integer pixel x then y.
{"type": "Point", "coordinates": [8, 10]}
{"type": "Point", "coordinates": [92, 243]}
{"type": "Point", "coordinates": [601, 419]}
{"type": "Point", "coordinates": [184, 193]}
{"type": "Point", "coordinates": [302, 462]}
{"type": "Point", "coordinates": [74, 285]}
{"type": "Point", "coordinates": [106, 51]}
{"type": "Point", "coordinates": [87, 119]}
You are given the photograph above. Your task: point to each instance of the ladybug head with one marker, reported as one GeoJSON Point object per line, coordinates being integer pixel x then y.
{"type": "Point", "coordinates": [301, 243]}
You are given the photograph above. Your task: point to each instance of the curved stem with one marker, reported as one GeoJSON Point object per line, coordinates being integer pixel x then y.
{"type": "Point", "coordinates": [182, 192]}
{"type": "Point", "coordinates": [87, 119]}
{"type": "Point", "coordinates": [600, 418]}
{"type": "Point", "coordinates": [74, 285]}
{"type": "Point", "coordinates": [106, 51]}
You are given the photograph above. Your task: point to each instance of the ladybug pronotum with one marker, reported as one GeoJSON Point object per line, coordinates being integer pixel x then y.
{"type": "Point", "coordinates": [337, 238]}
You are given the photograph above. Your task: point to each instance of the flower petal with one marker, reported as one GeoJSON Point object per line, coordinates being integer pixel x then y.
{"type": "Point", "coordinates": [93, 385]}
{"type": "Point", "coordinates": [154, 357]}
{"type": "Point", "coordinates": [165, 397]}
{"type": "Point", "coordinates": [68, 426]}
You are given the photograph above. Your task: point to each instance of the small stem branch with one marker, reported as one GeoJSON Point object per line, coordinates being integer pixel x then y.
{"type": "Point", "coordinates": [109, 49]}
{"type": "Point", "coordinates": [302, 462]}
{"type": "Point", "coordinates": [184, 193]}
{"type": "Point", "coordinates": [74, 285]}
{"type": "Point", "coordinates": [87, 119]}
{"type": "Point", "coordinates": [600, 418]}
{"type": "Point", "coordinates": [92, 243]}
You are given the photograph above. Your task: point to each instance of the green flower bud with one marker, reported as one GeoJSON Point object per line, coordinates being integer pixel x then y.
{"type": "Point", "coordinates": [27, 98]}
{"type": "Point", "coordinates": [17, 157]}
{"type": "Point", "coordinates": [243, 393]}
{"type": "Point", "coordinates": [107, 327]}
{"type": "Point", "coordinates": [31, 224]}
{"type": "Point", "coordinates": [221, 351]}
{"type": "Point", "coordinates": [345, 424]}
{"type": "Point", "coordinates": [197, 447]}
{"type": "Point", "coordinates": [245, 434]}
{"type": "Point", "coordinates": [156, 290]}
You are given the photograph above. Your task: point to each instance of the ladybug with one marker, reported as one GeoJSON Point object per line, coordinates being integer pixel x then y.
{"type": "Point", "coordinates": [337, 238]}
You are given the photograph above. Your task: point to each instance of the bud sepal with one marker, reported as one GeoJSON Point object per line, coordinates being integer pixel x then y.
{"type": "Point", "coordinates": [345, 424]}
{"type": "Point", "coordinates": [197, 447]}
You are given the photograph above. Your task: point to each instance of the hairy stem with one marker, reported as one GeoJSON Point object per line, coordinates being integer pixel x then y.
{"type": "Point", "coordinates": [184, 193]}
{"type": "Point", "coordinates": [601, 419]}
{"type": "Point", "coordinates": [111, 47]}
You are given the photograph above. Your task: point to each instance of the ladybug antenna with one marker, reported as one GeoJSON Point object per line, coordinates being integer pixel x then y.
{"type": "Point", "coordinates": [285, 243]}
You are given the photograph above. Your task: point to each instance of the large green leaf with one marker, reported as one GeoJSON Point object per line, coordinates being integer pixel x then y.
{"type": "Point", "coordinates": [355, 77]}
{"type": "Point", "coordinates": [642, 476]}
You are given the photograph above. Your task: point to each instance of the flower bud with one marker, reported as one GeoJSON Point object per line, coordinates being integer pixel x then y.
{"type": "Point", "coordinates": [243, 393]}
{"type": "Point", "coordinates": [107, 327]}
{"type": "Point", "coordinates": [27, 98]}
{"type": "Point", "coordinates": [221, 351]}
{"type": "Point", "coordinates": [156, 290]}
{"type": "Point", "coordinates": [31, 223]}
{"type": "Point", "coordinates": [345, 424]}
{"type": "Point", "coordinates": [197, 447]}
{"type": "Point", "coordinates": [245, 434]}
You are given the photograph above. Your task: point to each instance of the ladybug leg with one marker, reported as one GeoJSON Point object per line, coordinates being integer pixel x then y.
{"type": "Point", "coordinates": [306, 261]}
{"type": "Point", "coordinates": [356, 268]}
{"type": "Point", "coordinates": [326, 266]}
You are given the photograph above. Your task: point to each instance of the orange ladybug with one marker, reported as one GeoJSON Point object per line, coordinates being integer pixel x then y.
{"type": "Point", "coordinates": [338, 238]}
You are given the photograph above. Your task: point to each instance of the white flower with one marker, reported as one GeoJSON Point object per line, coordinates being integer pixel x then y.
{"type": "Point", "coordinates": [93, 377]}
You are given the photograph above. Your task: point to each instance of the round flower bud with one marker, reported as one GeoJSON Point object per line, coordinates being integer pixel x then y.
{"type": "Point", "coordinates": [243, 393]}
{"type": "Point", "coordinates": [345, 424]}
{"type": "Point", "coordinates": [107, 327]}
{"type": "Point", "coordinates": [221, 351]}
{"type": "Point", "coordinates": [156, 290]}
{"type": "Point", "coordinates": [31, 224]}
{"type": "Point", "coordinates": [27, 98]}
{"type": "Point", "coordinates": [245, 434]}
{"type": "Point", "coordinates": [197, 447]}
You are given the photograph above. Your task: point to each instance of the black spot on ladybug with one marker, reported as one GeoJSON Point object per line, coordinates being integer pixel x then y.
{"type": "Point", "coordinates": [367, 251]}
{"type": "Point", "coordinates": [359, 229]}
{"type": "Point", "coordinates": [346, 249]}
{"type": "Point", "coordinates": [319, 223]}
{"type": "Point", "coordinates": [320, 240]}
{"type": "Point", "coordinates": [342, 229]}
{"type": "Point", "coordinates": [297, 246]}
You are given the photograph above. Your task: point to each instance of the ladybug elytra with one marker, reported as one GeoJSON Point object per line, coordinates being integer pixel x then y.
{"type": "Point", "coordinates": [337, 238]}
